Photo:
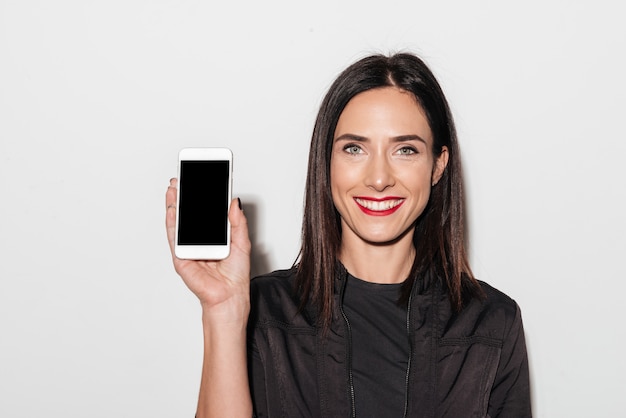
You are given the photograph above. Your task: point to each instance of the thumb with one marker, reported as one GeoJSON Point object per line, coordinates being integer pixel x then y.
{"type": "Point", "coordinates": [239, 227]}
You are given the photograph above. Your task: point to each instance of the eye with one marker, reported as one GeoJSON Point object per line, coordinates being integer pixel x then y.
{"type": "Point", "coordinates": [352, 149]}
{"type": "Point", "coordinates": [407, 151]}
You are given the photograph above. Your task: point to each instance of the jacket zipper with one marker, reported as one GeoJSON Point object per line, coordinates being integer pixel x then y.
{"type": "Point", "coordinates": [408, 365]}
{"type": "Point", "coordinates": [348, 349]}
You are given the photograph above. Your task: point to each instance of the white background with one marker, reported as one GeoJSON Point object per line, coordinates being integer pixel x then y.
{"type": "Point", "coordinates": [97, 97]}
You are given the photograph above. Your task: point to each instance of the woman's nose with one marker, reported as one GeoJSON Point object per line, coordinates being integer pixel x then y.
{"type": "Point", "coordinates": [379, 174]}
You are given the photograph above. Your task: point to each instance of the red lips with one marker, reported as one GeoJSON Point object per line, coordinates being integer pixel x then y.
{"type": "Point", "coordinates": [379, 206]}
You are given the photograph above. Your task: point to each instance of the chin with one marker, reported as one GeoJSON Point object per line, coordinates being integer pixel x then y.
{"type": "Point", "coordinates": [384, 237]}
{"type": "Point", "coordinates": [382, 240]}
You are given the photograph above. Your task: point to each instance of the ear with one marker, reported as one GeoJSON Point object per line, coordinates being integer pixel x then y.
{"type": "Point", "coordinates": [440, 165]}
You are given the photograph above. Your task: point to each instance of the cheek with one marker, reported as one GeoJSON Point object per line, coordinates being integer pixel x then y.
{"type": "Point", "coordinates": [335, 184]}
{"type": "Point", "coordinates": [342, 181]}
{"type": "Point", "coordinates": [342, 177]}
{"type": "Point", "coordinates": [419, 183]}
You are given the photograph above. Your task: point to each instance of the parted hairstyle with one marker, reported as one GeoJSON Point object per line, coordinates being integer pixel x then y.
{"type": "Point", "coordinates": [439, 231]}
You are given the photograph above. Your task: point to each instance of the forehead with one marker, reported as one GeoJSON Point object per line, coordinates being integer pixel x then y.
{"type": "Point", "coordinates": [383, 112]}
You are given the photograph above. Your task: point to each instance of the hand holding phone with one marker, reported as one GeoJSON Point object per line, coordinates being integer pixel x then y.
{"type": "Point", "coordinates": [204, 195]}
{"type": "Point", "coordinates": [216, 283]}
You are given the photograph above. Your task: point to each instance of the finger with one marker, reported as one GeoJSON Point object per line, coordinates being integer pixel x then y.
{"type": "Point", "coordinates": [170, 212]}
{"type": "Point", "coordinates": [170, 196]}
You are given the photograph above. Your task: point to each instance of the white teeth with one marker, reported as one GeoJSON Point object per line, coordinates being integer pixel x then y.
{"type": "Point", "coordinates": [379, 206]}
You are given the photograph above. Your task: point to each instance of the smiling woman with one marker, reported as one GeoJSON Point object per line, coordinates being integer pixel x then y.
{"type": "Point", "coordinates": [381, 315]}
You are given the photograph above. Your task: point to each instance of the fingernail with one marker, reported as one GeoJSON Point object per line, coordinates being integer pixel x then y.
{"type": "Point", "coordinates": [240, 205]}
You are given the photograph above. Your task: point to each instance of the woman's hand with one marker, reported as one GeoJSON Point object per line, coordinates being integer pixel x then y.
{"type": "Point", "coordinates": [222, 286]}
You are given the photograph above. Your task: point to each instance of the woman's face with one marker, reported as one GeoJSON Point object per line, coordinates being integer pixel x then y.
{"type": "Point", "coordinates": [382, 166]}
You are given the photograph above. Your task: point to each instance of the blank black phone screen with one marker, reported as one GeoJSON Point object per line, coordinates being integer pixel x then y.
{"type": "Point", "coordinates": [203, 202]}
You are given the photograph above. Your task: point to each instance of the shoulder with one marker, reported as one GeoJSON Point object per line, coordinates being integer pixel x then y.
{"type": "Point", "coordinates": [273, 299]}
{"type": "Point", "coordinates": [276, 282]}
{"type": "Point", "coordinates": [496, 299]}
{"type": "Point", "coordinates": [498, 310]}
{"type": "Point", "coordinates": [495, 315]}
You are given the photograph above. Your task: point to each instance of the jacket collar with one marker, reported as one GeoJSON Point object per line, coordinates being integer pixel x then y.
{"type": "Point", "coordinates": [421, 282]}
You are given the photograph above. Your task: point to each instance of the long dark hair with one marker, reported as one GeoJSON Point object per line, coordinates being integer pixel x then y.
{"type": "Point", "coordinates": [439, 237]}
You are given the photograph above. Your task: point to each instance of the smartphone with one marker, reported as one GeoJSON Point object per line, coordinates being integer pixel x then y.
{"type": "Point", "coordinates": [204, 195]}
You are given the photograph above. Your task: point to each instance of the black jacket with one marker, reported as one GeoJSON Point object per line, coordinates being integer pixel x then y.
{"type": "Point", "coordinates": [470, 364]}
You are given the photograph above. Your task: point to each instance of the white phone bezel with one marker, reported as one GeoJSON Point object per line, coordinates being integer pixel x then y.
{"type": "Point", "coordinates": [204, 252]}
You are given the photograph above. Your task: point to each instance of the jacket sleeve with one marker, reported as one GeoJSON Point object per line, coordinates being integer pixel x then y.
{"type": "Point", "coordinates": [510, 394]}
{"type": "Point", "coordinates": [256, 378]}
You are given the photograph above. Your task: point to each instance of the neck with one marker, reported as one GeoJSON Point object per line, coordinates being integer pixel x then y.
{"type": "Point", "coordinates": [378, 263]}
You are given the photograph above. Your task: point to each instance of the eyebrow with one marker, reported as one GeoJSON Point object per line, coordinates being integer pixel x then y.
{"type": "Point", "coordinates": [359, 138]}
